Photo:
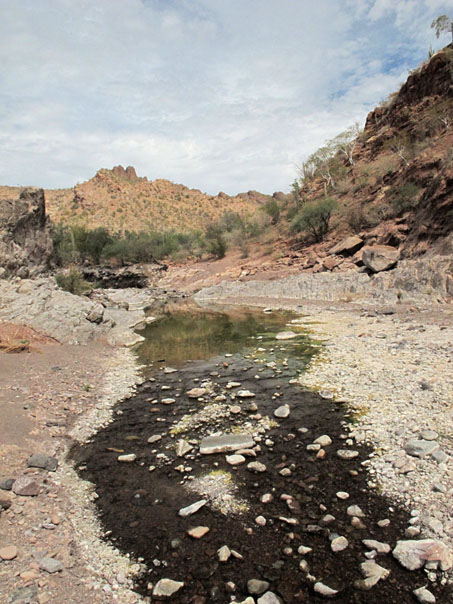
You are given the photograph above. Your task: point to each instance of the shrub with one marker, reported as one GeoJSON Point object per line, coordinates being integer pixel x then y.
{"type": "Point", "coordinates": [359, 218]}
{"type": "Point", "coordinates": [272, 209]}
{"type": "Point", "coordinates": [73, 282]}
{"type": "Point", "coordinates": [215, 241]}
{"type": "Point", "coordinates": [405, 197]}
{"type": "Point", "coordinates": [314, 218]}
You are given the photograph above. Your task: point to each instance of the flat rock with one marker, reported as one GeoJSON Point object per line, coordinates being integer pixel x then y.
{"type": "Point", "coordinates": [421, 448]}
{"type": "Point", "coordinates": [347, 454]}
{"type": "Point", "coordinates": [347, 246]}
{"type": "Point", "coordinates": [198, 532]}
{"type": "Point", "coordinates": [26, 486]}
{"type": "Point", "coordinates": [168, 401]}
{"type": "Point", "coordinates": [170, 370]}
{"type": "Point", "coordinates": [413, 554]}
{"type": "Point", "coordinates": [225, 443]}
{"type": "Point", "coordinates": [191, 509]}
{"type": "Point", "coordinates": [165, 588]}
{"type": "Point", "coordinates": [429, 435]}
{"type": "Point", "coordinates": [282, 411]}
{"type": "Point", "coordinates": [235, 460]}
{"type": "Point", "coordinates": [379, 258]}
{"type": "Point", "coordinates": [286, 335]}
{"type": "Point", "coordinates": [257, 587]}
{"type": "Point", "coordinates": [324, 590]}
{"type": "Point", "coordinates": [8, 553]}
{"type": "Point", "coordinates": [50, 565]}
{"type": "Point", "coordinates": [245, 394]}
{"type": "Point", "coordinates": [46, 462]}
{"type": "Point", "coordinates": [6, 484]}
{"type": "Point", "coordinates": [424, 596]}
{"type": "Point", "coordinates": [196, 392]}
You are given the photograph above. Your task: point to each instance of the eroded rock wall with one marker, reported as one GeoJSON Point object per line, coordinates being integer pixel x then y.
{"type": "Point", "coordinates": [25, 235]}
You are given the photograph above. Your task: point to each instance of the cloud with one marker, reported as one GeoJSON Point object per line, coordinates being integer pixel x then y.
{"type": "Point", "coordinates": [217, 95]}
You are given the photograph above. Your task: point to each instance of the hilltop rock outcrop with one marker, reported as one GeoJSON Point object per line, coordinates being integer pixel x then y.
{"type": "Point", "coordinates": [25, 235]}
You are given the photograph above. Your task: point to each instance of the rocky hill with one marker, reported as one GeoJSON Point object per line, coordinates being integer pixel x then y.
{"type": "Point", "coordinates": [120, 200]}
{"type": "Point", "coordinates": [394, 182]}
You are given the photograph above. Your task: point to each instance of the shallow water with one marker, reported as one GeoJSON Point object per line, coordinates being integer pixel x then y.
{"type": "Point", "coordinates": [138, 502]}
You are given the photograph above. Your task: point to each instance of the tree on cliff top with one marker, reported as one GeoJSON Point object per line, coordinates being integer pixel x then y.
{"type": "Point", "coordinates": [443, 24]}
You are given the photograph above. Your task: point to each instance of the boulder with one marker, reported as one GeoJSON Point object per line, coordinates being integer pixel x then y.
{"type": "Point", "coordinates": [379, 258]}
{"type": "Point", "coordinates": [347, 247]}
{"type": "Point", "coordinates": [413, 554]}
{"type": "Point", "coordinates": [25, 235]}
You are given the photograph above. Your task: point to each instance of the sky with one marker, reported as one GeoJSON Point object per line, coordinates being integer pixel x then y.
{"type": "Point", "coordinates": [219, 95]}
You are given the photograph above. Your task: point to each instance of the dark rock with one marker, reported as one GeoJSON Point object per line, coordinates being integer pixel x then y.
{"type": "Point", "coordinates": [46, 462]}
{"type": "Point", "coordinates": [119, 278]}
{"type": "Point", "coordinates": [6, 484]}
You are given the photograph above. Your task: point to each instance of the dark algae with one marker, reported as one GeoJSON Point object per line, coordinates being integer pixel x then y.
{"type": "Point", "coordinates": [139, 508]}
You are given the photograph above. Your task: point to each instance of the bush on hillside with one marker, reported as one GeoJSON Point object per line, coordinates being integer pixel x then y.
{"type": "Point", "coordinates": [314, 218]}
{"type": "Point", "coordinates": [73, 282]}
{"type": "Point", "coordinates": [405, 197]}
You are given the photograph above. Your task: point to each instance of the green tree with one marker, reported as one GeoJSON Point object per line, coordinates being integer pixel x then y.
{"type": "Point", "coordinates": [272, 209]}
{"type": "Point", "coordinates": [443, 25]}
{"type": "Point", "coordinates": [314, 218]}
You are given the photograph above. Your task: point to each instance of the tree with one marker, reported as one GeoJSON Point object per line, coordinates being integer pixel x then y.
{"type": "Point", "coordinates": [314, 217]}
{"type": "Point", "coordinates": [443, 25]}
{"type": "Point", "coordinates": [346, 142]}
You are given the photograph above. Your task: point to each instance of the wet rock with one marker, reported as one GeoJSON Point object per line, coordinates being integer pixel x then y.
{"type": "Point", "coordinates": [324, 590]}
{"type": "Point", "coordinates": [282, 411]}
{"type": "Point", "coordinates": [46, 462]}
{"type": "Point", "coordinates": [26, 486]}
{"type": "Point", "coordinates": [421, 448]}
{"type": "Point", "coordinates": [424, 596]}
{"type": "Point", "coordinates": [128, 458]}
{"type": "Point", "coordinates": [286, 335]}
{"type": "Point", "coordinates": [6, 484]}
{"type": "Point", "coordinates": [196, 392]}
{"type": "Point", "coordinates": [413, 554]}
{"type": "Point", "coordinates": [257, 587]}
{"type": "Point", "coordinates": [256, 466]}
{"type": "Point", "coordinates": [226, 443]}
{"type": "Point", "coordinates": [50, 565]}
{"type": "Point", "coordinates": [166, 588]}
{"type": "Point", "coordinates": [372, 573]}
{"type": "Point", "coordinates": [8, 553]}
{"type": "Point", "coordinates": [192, 509]}
{"type": "Point", "coordinates": [270, 598]}
{"type": "Point", "coordinates": [198, 532]}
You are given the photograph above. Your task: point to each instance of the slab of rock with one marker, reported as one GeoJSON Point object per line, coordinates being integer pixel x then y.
{"type": "Point", "coordinates": [50, 565]}
{"type": "Point", "coordinates": [46, 462]}
{"type": "Point", "coordinates": [325, 590]}
{"type": "Point", "coordinates": [191, 509]}
{"type": "Point", "coordinates": [424, 596]}
{"type": "Point", "coordinates": [26, 486]}
{"type": "Point", "coordinates": [421, 448]}
{"type": "Point", "coordinates": [196, 392]}
{"type": "Point", "coordinates": [379, 257]}
{"type": "Point", "coordinates": [166, 588]}
{"type": "Point", "coordinates": [8, 553]}
{"type": "Point", "coordinates": [348, 246]}
{"type": "Point", "coordinates": [225, 443]}
{"type": "Point", "coordinates": [372, 573]}
{"type": "Point", "coordinates": [282, 412]}
{"type": "Point", "coordinates": [286, 335]}
{"type": "Point", "coordinates": [347, 454]}
{"type": "Point", "coordinates": [257, 587]}
{"type": "Point", "coordinates": [413, 554]}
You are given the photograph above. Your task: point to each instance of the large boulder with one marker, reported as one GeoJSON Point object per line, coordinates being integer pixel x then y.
{"type": "Point", "coordinates": [348, 246]}
{"type": "Point", "coordinates": [25, 235]}
{"type": "Point", "coordinates": [379, 258]}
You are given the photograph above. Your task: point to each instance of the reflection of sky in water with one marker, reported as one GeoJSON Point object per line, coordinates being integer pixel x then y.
{"type": "Point", "coordinates": [182, 336]}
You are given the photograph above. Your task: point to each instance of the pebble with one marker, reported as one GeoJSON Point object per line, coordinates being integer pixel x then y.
{"type": "Point", "coordinates": [46, 462]}
{"type": "Point", "coordinates": [196, 392]}
{"type": "Point", "coordinates": [339, 544]}
{"type": "Point", "coordinates": [323, 440]}
{"type": "Point", "coordinates": [260, 520]}
{"type": "Point", "coordinates": [234, 460]}
{"type": "Point", "coordinates": [303, 550]}
{"type": "Point", "coordinates": [355, 510]}
{"type": "Point", "coordinates": [372, 573]}
{"type": "Point", "coordinates": [8, 553]}
{"type": "Point", "coordinates": [224, 553]}
{"type": "Point", "coordinates": [421, 448]}
{"type": "Point", "coordinates": [257, 587]}
{"type": "Point", "coordinates": [154, 439]}
{"type": "Point", "coordinates": [347, 454]}
{"type": "Point", "coordinates": [269, 598]}
{"type": "Point", "coordinates": [245, 394]}
{"type": "Point", "coordinates": [198, 532]}
{"type": "Point", "coordinates": [192, 509]}
{"type": "Point", "coordinates": [6, 484]}
{"type": "Point", "coordinates": [282, 412]}
{"type": "Point", "coordinates": [429, 435]}
{"type": "Point", "coordinates": [324, 590]}
{"type": "Point", "coordinates": [256, 466]}
{"type": "Point", "coordinates": [342, 495]}
{"type": "Point", "coordinates": [424, 596]}
{"type": "Point", "coordinates": [286, 335]}
{"type": "Point", "coordinates": [266, 498]}
{"type": "Point", "coordinates": [182, 448]}
{"type": "Point", "coordinates": [130, 457]}
{"type": "Point", "coordinates": [168, 401]}
{"type": "Point", "coordinates": [26, 486]}
{"type": "Point", "coordinates": [165, 588]}
{"type": "Point", "coordinates": [50, 565]}
{"type": "Point", "coordinates": [381, 548]}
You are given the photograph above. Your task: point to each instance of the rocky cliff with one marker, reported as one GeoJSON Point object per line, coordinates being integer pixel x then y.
{"type": "Point", "coordinates": [25, 235]}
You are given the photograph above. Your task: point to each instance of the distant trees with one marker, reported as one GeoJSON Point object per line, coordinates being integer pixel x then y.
{"type": "Point", "coordinates": [443, 25]}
